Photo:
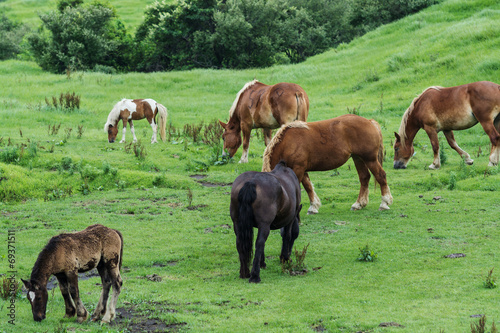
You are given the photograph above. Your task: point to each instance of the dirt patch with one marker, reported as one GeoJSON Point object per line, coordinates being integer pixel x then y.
{"type": "Point", "coordinates": [134, 321]}
{"type": "Point", "coordinates": [208, 184]}
{"type": "Point", "coordinates": [455, 255]}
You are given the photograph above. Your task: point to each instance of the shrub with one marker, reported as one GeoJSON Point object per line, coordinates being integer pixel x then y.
{"type": "Point", "coordinates": [366, 254]}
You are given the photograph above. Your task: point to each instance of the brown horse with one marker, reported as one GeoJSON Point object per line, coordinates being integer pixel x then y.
{"type": "Point", "coordinates": [65, 256]}
{"type": "Point", "coordinates": [447, 109]}
{"type": "Point", "coordinates": [326, 145]}
{"type": "Point", "coordinates": [267, 201]}
{"type": "Point", "coordinates": [261, 106]}
{"type": "Point", "coordinates": [127, 110]}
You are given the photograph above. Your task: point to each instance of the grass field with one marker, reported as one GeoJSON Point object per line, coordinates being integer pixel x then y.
{"type": "Point", "coordinates": [178, 227]}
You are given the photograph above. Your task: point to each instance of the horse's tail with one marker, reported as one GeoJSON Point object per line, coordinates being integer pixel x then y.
{"type": "Point", "coordinates": [162, 110]}
{"type": "Point", "coordinates": [380, 155]}
{"type": "Point", "coordinates": [121, 248]}
{"type": "Point", "coordinates": [302, 106]}
{"type": "Point", "coordinates": [246, 197]}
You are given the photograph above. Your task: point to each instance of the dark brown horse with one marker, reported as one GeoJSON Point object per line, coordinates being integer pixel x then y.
{"type": "Point", "coordinates": [447, 109]}
{"type": "Point", "coordinates": [326, 145]}
{"type": "Point", "coordinates": [65, 256]}
{"type": "Point", "coordinates": [266, 201]}
{"type": "Point", "coordinates": [261, 106]}
{"type": "Point", "coordinates": [127, 110]}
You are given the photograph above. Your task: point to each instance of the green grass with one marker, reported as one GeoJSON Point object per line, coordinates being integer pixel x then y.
{"type": "Point", "coordinates": [435, 213]}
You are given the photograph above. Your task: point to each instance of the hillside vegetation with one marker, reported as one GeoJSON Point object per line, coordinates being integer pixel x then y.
{"type": "Point", "coordinates": [175, 227]}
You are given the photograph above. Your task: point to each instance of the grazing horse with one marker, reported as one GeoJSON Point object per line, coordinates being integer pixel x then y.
{"type": "Point", "coordinates": [267, 201]}
{"type": "Point", "coordinates": [261, 106]}
{"type": "Point", "coordinates": [127, 110]}
{"type": "Point", "coordinates": [326, 145]}
{"type": "Point", "coordinates": [447, 109]}
{"type": "Point", "coordinates": [65, 256]}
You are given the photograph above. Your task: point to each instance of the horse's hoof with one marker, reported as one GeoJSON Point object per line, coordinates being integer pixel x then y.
{"type": "Point", "coordinates": [383, 207]}
{"type": "Point", "coordinates": [356, 206]}
{"type": "Point", "coordinates": [469, 162]}
{"type": "Point", "coordinates": [492, 164]}
{"type": "Point", "coordinates": [312, 211]}
{"type": "Point", "coordinates": [80, 320]}
{"type": "Point", "coordinates": [433, 167]}
{"type": "Point", "coordinates": [254, 280]}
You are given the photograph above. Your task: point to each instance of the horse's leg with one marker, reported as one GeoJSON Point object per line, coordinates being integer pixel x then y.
{"type": "Point", "coordinates": [124, 130]}
{"type": "Point", "coordinates": [132, 129]}
{"type": "Point", "coordinates": [154, 127]}
{"type": "Point", "coordinates": [116, 282]}
{"type": "Point", "coordinates": [81, 312]}
{"type": "Point", "coordinates": [267, 135]}
{"type": "Point", "coordinates": [289, 234]}
{"type": "Point", "coordinates": [380, 176]}
{"type": "Point", "coordinates": [68, 302]}
{"type": "Point", "coordinates": [245, 131]}
{"type": "Point", "coordinates": [100, 309]}
{"type": "Point", "coordinates": [453, 144]}
{"type": "Point", "coordinates": [433, 136]}
{"type": "Point", "coordinates": [489, 128]}
{"type": "Point", "coordinates": [260, 243]}
{"type": "Point", "coordinates": [364, 179]}
{"type": "Point", "coordinates": [315, 203]}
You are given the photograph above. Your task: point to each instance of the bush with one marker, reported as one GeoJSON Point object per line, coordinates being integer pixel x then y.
{"type": "Point", "coordinates": [79, 37]}
{"type": "Point", "coordinates": [11, 36]}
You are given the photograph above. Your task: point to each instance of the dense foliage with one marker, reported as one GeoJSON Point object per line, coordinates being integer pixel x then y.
{"type": "Point", "coordinates": [256, 33]}
{"type": "Point", "coordinates": [81, 37]}
{"type": "Point", "coordinates": [11, 36]}
{"type": "Point", "coordinates": [205, 33]}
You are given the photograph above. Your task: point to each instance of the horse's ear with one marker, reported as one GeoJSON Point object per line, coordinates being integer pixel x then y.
{"type": "Point", "coordinates": [397, 136]}
{"type": "Point", "coordinates": [27, 284]}
{"type": "Point", "coordinates": [223, 124]}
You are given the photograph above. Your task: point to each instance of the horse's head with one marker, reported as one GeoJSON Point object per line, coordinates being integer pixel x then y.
{"type": "Point", "coordinates": [38, 296]}
{"type": "Point", "coordinates": [112, 132]}
{"type": "Point", "coordinates": [402, 153]}
{"type": "Point", "coordinates": [231, 137]}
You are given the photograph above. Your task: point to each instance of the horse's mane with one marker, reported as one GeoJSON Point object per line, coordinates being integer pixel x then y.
{"type": "Point", "coordinates": [114, 114]}
{"type": "Point", "coordinates": [235, 103]}
{"type": "Point", "coordinates": [278, 137]}
{"type": "Point", "coordinates": [406, 115]}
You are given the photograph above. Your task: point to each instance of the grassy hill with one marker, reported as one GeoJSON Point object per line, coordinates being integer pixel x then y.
{"type": "Point", "coordinates": [178, 229]}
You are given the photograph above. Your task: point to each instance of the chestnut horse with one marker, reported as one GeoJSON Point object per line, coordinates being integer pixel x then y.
{"type": "Point", "coordinates": [261, 106]}
{"type": "Point", "coordinates": [328, 144]}
{"type": "Point", "coordinates": [447, 109]}
{"type": "Point", "coordinates": [127, 110]}
{"type": "Point", "coordinates": [267, 201]}
{"type": "Point", "coordinates": [65, 256]}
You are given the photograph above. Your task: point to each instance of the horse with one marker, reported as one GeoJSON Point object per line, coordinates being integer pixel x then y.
{"type": "Point", "coordinates": [266, 201]}
{"type": "Point", "coordinates": [446, 109]}
{"type": "Point", "coordinates": [326, 145]}
{"type": "Point", "coordinates": [127, 110]}
{"type": "Point", "coordinates": [68, 254]}
{"type": "Point", "coordinates": [262, 106]}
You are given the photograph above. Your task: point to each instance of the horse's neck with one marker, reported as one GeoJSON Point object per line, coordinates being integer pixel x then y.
{"type": "Point", "coordinates": [42, 269]}
{"type": "Point", "coordinates": [411, 131]}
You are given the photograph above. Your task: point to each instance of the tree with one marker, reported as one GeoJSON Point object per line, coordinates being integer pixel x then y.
{"type": "Point", "coordinates": [79, 37]}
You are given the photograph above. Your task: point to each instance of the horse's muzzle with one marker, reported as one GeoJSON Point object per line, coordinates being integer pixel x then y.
{"type": "Point", "coordinates": [38, 317]}
{"type": "Point", "coordinates": [399, 165]}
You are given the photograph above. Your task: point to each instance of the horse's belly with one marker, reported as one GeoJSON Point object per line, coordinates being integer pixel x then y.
{"type": "Point", "coordinates": [265, 121]}
{"type": "Point", "coordinates": [460, 121]}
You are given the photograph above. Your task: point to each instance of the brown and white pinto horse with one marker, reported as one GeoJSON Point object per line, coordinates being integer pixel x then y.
{"type": "Point", "coordinates": [65, 256]}
{"type": "Point", "coordinates": [326, 145]}
{"type": "Point", "coordinates": [127, 110]}
{"type": "Point", "coordinates": [447, 109]}
{"type": "Point", "coordinates": [261, 106]}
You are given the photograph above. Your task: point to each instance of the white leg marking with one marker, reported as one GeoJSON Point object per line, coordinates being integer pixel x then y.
{"type": "Point", "coordinates": [315, 204]}
{"type": "Point", "coordinates": [123, 135]}
{"type": "Point", "coordinates": [133, 133]}
{"type": "Point", "coordinates": [386, 201]}
{"type": "Point", "coordinates": [244, 156]}
{"type": "Point", "coordinates": [154, 127]}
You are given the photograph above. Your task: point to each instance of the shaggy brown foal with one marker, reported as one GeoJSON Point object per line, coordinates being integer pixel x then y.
{"type": "Point", "coordinates": [65, 256]}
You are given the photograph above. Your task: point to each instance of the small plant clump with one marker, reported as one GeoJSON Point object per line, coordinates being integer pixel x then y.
{"type": "Point", "coordinates": [491, 281]}
{"type": "Point", "coordinates": [297, 267]}
{"type": "Point", "coordinates": [480, 326]}
{"type": "Point", "coordinates": [366, 254]}
{"type": "Point", "coordinates": [67, 101]}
